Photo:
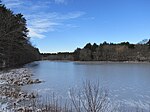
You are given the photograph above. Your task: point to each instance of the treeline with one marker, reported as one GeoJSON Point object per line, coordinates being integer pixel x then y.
{"type": "Point", "coordinates": [113, 52]}
{"type": "Point", "coordinates": [15, 47]}
{"type": "Point", "coordinates": [123, 51]}
{"type": "Point", "coordinates": [57, 56]}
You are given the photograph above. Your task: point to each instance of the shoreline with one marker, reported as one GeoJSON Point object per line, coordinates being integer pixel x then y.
{"type": "Point", "coordinates": [112, 62]}
{"type": "Point", "coordinates": [101, 62]}
{"type": "Point", "coordinates": [11, 94]}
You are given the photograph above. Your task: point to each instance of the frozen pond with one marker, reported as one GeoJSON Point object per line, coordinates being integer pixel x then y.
{"type": "Point", "coordinates": [127, 83]}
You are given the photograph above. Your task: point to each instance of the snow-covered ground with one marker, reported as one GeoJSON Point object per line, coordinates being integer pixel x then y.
{"type": "Point", "coordinates": [11, 94]}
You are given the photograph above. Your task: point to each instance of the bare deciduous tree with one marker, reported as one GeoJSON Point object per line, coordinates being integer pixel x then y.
{"type": "Point", "coordinates": [91, 98]}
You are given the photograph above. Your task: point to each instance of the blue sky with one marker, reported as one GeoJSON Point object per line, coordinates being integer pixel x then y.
{"type": "Point", "coordinates": [64, 25]}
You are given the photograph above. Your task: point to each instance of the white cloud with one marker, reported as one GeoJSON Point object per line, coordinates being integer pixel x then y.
{"type": "Point", "coordinates": [16, 3]}
{"type": "Point", "coordinates": [60, 1]}
{"type": "Point", "coordinates": [39, 20]}
{"type": "Point", "coordinates": [47, 22]}
{"type": "Point", "coordinates": [38, 26]}
{"type": "Point", "coordinates": [26, 5]}
{"type": "Point", "coordinates": [12, 3]}
{"type": "Point", "coordinates": [71, 15]}
{"type": "Point", "coordinates": [33, 33]}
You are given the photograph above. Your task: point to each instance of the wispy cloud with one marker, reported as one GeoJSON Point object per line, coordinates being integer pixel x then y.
{"type": "Point", "coordinates": [37, 4]}
{"type": "Point", "coordinates": [12, 3]}
{"type": "Point", "coordinates": [39, 25]}
{"type": "Point", "coordinates": [60, 1]}
{"type": "Point", "coordinates": [48, 22]}
{"type": "Point", "coordinates": [34, 33]}
{"type": "Point", "coordinates": [71, 15]}
{"type": "Point", "coordinates": [39, 22]}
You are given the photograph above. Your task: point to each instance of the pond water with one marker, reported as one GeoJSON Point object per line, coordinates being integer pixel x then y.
{"type": "Point", "coordinates": [128, 83]}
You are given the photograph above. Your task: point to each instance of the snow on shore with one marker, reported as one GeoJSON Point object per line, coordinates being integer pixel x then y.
{"type": "Point", "coordinates": [11, 95]}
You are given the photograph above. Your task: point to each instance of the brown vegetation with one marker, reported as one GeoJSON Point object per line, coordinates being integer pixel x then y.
{"type": "Point", "coordinates": [105, 52]}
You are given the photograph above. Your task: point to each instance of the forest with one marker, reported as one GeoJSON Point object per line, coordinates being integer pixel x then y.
{"type": "Point", "coordinates": [15, 46]}
{"type": "Point", "coordinates": [123, 51]}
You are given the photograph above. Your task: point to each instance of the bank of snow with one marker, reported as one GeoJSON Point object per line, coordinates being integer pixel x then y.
{"type": "Point", "coordinates": [11, 94]}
